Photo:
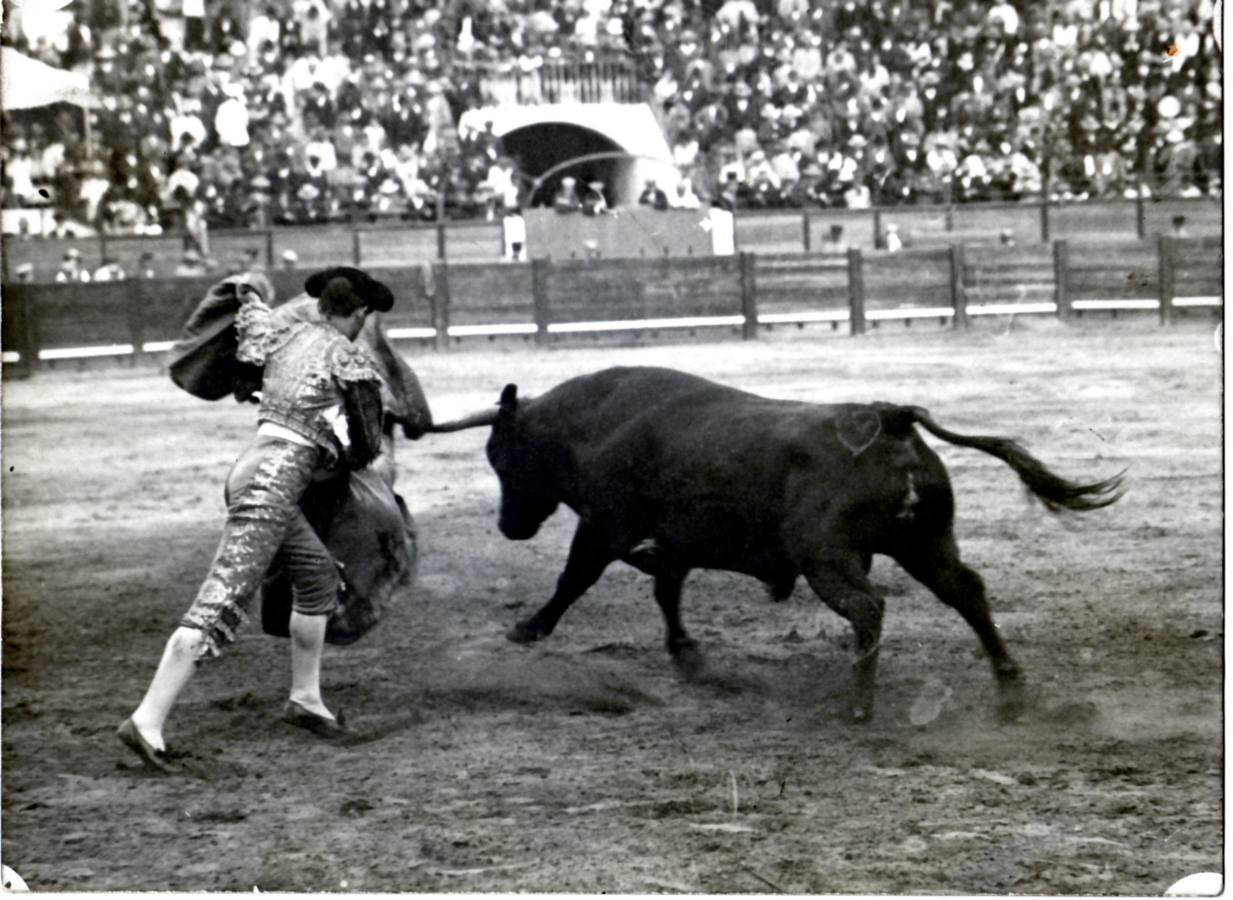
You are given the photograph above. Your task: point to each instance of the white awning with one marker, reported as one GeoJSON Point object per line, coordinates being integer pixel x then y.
{"type": "Point", "coordinates": [27, 83]}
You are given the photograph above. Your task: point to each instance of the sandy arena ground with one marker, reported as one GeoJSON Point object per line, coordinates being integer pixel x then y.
{"type": "Point", "coordinates": [585, 763]}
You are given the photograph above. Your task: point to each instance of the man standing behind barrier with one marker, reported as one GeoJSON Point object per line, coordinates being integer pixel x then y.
{"type": "Point", "coordinates": [566, 198]}
{"type": "Point", "coordinates": [593, 202]}
{"type": "Point", "coordinates": [320, 409]}
{"type": "Point", "coordinates": [71, 268]}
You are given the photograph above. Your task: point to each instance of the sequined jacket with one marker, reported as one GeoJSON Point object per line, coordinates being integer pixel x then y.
{"type": "Point", "coordinates": [312, 372]}
{"type": "Point", "coordinates": [402, 398]}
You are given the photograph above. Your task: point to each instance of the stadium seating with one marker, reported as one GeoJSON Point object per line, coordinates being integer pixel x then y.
{"type": "Point", "coordinates": [297, 112]}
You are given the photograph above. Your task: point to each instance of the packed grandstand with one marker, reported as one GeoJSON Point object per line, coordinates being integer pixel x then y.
{"type": "Point", "coordinates": [279, 112]}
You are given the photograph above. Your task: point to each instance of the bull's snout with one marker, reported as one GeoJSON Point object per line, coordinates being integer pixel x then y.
{"type": "Point", "coordinates": [517, 531]}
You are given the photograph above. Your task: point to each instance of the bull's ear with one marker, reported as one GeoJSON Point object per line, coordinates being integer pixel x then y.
{"type": "Point", "coordinates": [509, 399]}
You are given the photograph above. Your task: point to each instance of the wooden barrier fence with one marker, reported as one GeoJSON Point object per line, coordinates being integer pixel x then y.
{"type": "Point", "coordinates": [445, 302]}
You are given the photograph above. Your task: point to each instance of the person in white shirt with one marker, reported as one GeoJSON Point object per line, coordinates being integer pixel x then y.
{"type": "Point", "coordinates": [405, 165]}
{"type": "Point", "coordinates": [332, 70]}
{"type": "Point", "coordinates": [71, 268]}
{"type": "Point", "coordinates": [593, 201]}
{"type": "Point", "coordinates": [50, 161]}
{"type": "Point", "coordinates": [231, 119]}
{"type": "Point", "coordinates": [301, 75]}
{"type": "Point", "coordinates": [262, 28]}
{"type": "Point", "coordinates": [587, 28]}
{"type": "Point", "coordinates": [189, 124]}
{"type": "Point", "coordinates": [502, 181]}
{"type": "Point", "coordinates": [320, 149]}
{"type": "Point", "coordinates": [785, 166]}
{"type": "Point", "coordinates": [94, 186]}
{"type": "Point", "coordinates": [181, 179]}
{"type": "Point", "coordinates": [857, 197]}
{"type": "Point", "coordinates": [19, 167]}
{"type": "Point", "coordinates": [442, 133]}
{"type": "Point", "coordinates": [684, 197]}
{"type": "Point", "coordinates": [110, 270]}
{"type": "Point", "coordinates": [1005, 15]}
{"type": "Point", "coordinates": [314, 21]}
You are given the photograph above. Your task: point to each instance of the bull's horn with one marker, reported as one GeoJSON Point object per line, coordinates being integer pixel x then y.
{"type": "Point", "coordinates": [475, 420]}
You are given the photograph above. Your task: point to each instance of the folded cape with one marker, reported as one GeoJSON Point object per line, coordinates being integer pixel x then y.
{"type": "Point", "coordinates": [369, 531]}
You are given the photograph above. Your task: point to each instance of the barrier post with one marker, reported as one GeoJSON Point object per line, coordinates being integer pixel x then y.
{"type": "Point", "coordinates": [958, 297]}
{"type": "Point", "coordinates": [856, 293]}
{"type": "Point", "coordinates": [439, 302]}
{"type": "Point", "coordinates": [1140, 214]}
{"type": "Point", "coordinates": [19, 313]}
{"type": "Point", "coordinates": [749, 297]}
{"type": "Point", "coordinates": [1166, 263]}
{"type": "Point", "coordinates": [539, 295]}
{"type": "Point", "coordinates": [1044, 218]}
{"type": "Point", "coordinates": [440, 242]}
{"type": "Point", "coordinates": [1061, 279]}
{"type": "Point", "coordinates": [356, 252]}
{"type": "Point", "coordinates": [877, 229]}
{"type": "Point", "coordinates": [806, 238]}
{"type": "Point", "coordinates": [269, 248]}
{"type": "Point", "coordinates": [136, 310]}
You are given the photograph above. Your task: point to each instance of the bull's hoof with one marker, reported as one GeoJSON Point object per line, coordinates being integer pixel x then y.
{"type": "Point", "coordinates": [526, 633]}
{"type": "Point", "coordinates": [1012, 698]}
{"type": "Point", "coordinates": [1009, 713]}
{"type": "Point", "coordinates": [688, 658]}
{"type": "Point", "coordinates": [860, 706]}
{"type": "Point", "coordinates": [1011, 707]}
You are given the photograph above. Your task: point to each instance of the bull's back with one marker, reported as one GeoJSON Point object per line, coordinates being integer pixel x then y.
{"type": "Point", "coordinates": [729, 479]}
{"type": "Point", "coordinates": [604, 401]}
{"type": "Point", "coordinates": [703, 468]}
{"type": "Point", "coordinates": [671, 416]}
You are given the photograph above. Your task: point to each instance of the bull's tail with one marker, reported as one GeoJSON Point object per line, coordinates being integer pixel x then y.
{"type": "Point", "coordinates": [1055, 492]}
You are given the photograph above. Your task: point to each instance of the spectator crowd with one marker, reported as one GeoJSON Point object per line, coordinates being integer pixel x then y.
{"type": "Point", "coordinates": [281, 112]}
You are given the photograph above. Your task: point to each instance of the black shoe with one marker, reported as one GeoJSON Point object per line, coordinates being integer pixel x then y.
{"type": "Point", "coordinates": [155, 759]}
{"type": "Point", "coordinates": [295, 714]}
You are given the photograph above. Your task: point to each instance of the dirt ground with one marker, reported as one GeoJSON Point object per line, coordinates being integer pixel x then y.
{"type": "Point", "coordinates": [585, 763]}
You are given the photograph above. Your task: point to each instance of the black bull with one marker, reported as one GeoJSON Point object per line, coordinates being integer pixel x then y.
{"type": "Point", "coordinates": [669, 472]}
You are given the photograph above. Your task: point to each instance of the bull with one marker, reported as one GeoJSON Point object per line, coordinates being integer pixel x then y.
{"type": "Point", "coordinates": [670, 472]}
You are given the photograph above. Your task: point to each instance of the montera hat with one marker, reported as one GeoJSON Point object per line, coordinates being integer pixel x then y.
{"type": "Point", "coordinates": [375, 295]}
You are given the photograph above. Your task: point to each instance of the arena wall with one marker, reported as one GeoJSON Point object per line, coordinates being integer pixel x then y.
{"type": "Point", "coordinates": [625, 233]}
{"type": "Point", "coordinates": [447, 303]}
